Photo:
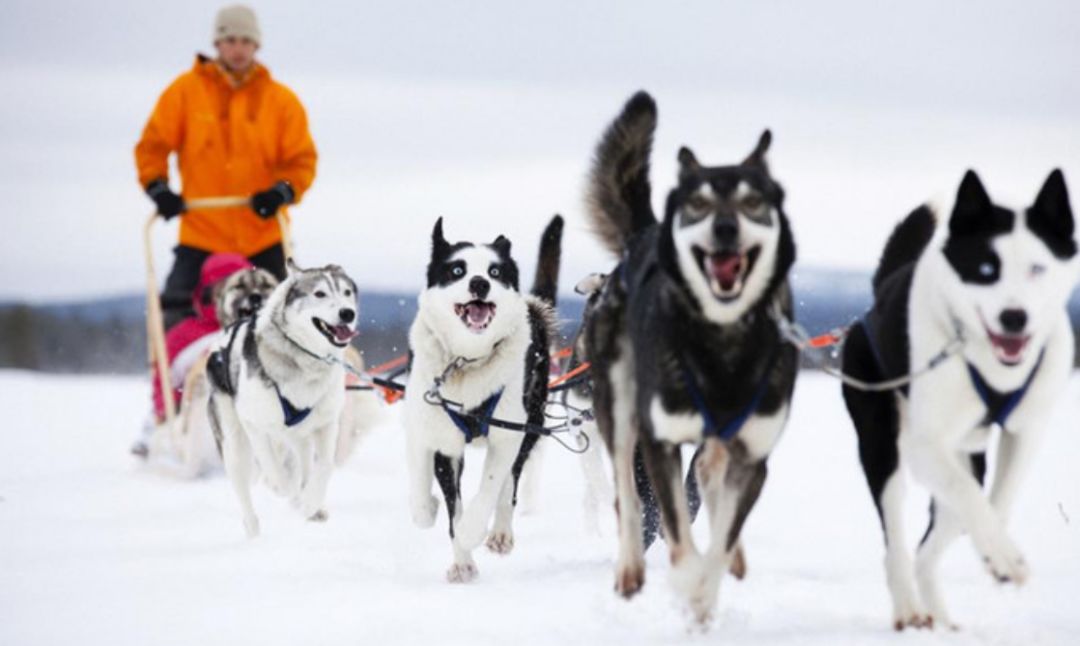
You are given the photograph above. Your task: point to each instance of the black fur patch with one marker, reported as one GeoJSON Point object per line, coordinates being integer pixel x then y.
{"type": "Point", "coordinates": [973, 225]}
{"type": "Point", "coordinates": [1051, 217]}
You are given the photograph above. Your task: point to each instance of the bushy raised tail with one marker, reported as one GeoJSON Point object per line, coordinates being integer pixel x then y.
{"type": "Point", "coordinates": [546, 282]}
{"type": "Point", "coordinates": [618, 197]}
{"type": "Point", "coordinates": [906, 244]}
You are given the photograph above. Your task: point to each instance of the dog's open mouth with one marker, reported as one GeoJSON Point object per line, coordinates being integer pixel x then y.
{"type": "Point", "coordinates": [1009, 348]}
{"type": "Point", "coordinates": [476, 315]}
{"type": "Point", "coordinates": [726, 271]}
{"type": "Point", "coordinates": [338, 335]}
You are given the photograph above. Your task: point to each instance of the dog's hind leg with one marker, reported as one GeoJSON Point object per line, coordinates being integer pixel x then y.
{"type": "Point", "coordinates": [447, 472]}
{"type": "Point", "coordinates": [616, 410]}
{"type": "Point", "coordinates": [945, 527]}
{"type": "Point", "coordinates": [876, 417]}
{"type": "Point", "coordinates": [237, 457]}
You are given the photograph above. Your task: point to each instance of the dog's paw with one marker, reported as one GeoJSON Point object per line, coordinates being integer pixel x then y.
{"type": "Point", "coordinates": [738, 563]}
{"type": "Point", "coordinates": [424, 511]}
{"type": "Point", "coordinates": [319, 516]}
{"type": "Point", "coordinates": [461, 573]}
{"type": "Point", "coordinates": [629, 577]}
{"type": "Point", "coordinates": [914, 620]}
{"type": "Point", "coordinates": [1003, 559]}
{"type": "Point", "coordinates": [908, 612]}
{"type": "Point", "coordinates": [500, 542]}
{"type": "Point", "coordinates": [251, 526]}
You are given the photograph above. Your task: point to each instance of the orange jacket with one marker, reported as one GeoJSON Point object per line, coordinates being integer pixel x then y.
{"type": "Point", "coordinates": [229, 141]}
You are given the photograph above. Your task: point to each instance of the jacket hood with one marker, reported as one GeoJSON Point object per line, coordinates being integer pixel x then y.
{"type": "Point", "coordinates": [217, 268]}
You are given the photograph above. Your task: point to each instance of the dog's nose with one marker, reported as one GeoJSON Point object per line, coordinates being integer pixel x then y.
{"type": "Point", "coordinates": [479, 287]}
{"type": "Point", "coordinates": [1013, 320]}
{"type": "Point", "coordinates": [347, 314]}
{"type": "Point", "coordinates": [726, 230]}
{"type": "Point", "coordinates": [255, 299]}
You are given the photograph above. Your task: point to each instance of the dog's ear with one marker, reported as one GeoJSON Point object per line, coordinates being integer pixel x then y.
{"type": "Point", "coordinates": [973, 207]}
{"type": "Point", "coordinates": [757, 157]}
{"type": "Point", "coordinates": [688, 163]}
{"type": "Point", "coordinates": [291, 268]}
{"type": "Point", "coordinates": [502, 246]}
{"type": "Point", "coordinates": [439, 245]}
{"type": "Point", "coordinates": [590, 284]}
{"type": "Point", "coordinates": [1051, 216]}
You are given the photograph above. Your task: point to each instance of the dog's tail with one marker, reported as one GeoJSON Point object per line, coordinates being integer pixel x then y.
{"type": "Point", "coordinates": [618, 197]}
{"type": "Point", "coordinates": [906, 244]}
{"type": "Point", "coordinates": [546, 282]}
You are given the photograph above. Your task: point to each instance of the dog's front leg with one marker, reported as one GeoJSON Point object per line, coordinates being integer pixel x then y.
{"type": "Point", "coordinates": [236, 456]}
{"type": "Point", "coordinates": [318, 467]}
{"type": "Point", "coordinates": [938, 469]}
{"type": "Point", "coordinates": [271, 462]}
{"type": "Point", "coordinates": [502, 449]}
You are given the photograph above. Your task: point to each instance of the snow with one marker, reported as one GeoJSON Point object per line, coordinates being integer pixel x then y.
{"type": "Point", "coordinates": [96, 548]}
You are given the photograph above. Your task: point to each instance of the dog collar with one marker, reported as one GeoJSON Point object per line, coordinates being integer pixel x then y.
{"type": "Point", "coordinates": [732, 426]}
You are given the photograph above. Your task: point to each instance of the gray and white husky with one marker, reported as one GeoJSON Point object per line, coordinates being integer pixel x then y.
{"type": "Point", "coordinates": [472, 313]}
{"type": "Point", "coordinates": [276, 400]}
{"type": "Point", "coordinates": [998, 278]}
{"type": "Point", "coordinates": [684, 346]}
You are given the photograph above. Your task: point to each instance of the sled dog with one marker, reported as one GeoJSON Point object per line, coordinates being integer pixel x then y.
{"type": "Point", "coordinates": [488, 346]}
{"type": "Point", "coordinates": [684, 344]}
{"type": "Point", "coordinates": [995, 279]}
{"type": "Point", "coordinates": [277, 390]}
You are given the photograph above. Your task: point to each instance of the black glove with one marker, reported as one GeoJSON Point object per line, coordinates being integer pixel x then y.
{"type": "Point", "coordinates": [169, 204]}
{"type": "Point", "coordinates": [266, 203]}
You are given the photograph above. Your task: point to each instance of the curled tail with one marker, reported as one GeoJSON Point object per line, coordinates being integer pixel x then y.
{"type": "Point", "coordinates": [618, 197]}
{"type": "Point", "coordinates": [546, 282]}
{"type": "Point", "coordinates": [906, 244]}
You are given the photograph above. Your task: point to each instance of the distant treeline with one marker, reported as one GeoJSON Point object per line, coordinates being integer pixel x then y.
{"type": "Point", "coordinates": [108, 335]}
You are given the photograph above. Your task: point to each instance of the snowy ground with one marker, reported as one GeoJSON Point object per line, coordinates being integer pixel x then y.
{"type": "Point", "coordinates": [96, 549]}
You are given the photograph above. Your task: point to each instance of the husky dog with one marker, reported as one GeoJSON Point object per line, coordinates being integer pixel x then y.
{"type": "Point", "coordinates": [998, 278]}
{"type": "Point", "coordinates": [684, 346]}
{"type": "Point", "coordinates": [243, 293]}
{"type": "Point", "coordinates": [278, 390]}
{"type": "Point", "coordinates": [473, 316]}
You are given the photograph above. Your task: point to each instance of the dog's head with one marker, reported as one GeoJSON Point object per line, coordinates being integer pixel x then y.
{"type": "Point", "coordinates": [316, 307]}
{"type": "Point", "coordinates": [242, 294]}
{"type": "Point", "coordinates": [472, 295]}
{"type": "Point", "coordinates": [1013, 268]}
{"type": "Point", "coordinates": [725, 233]}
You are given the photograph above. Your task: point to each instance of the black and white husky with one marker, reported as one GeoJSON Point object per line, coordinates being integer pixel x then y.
{"type": "Point", "coordinates": [472, 316]}
{"type": "Point", "coordinates": [997, 278]}
{"type": "Point", "coordinates": [277, 390]}
{"type": "Point", "coordinates": [683, 343]}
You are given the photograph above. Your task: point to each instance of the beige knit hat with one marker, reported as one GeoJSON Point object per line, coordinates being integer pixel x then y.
{"type": "Point", "coordinates": [237, 20]}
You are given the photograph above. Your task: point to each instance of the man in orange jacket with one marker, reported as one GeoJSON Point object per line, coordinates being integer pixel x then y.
{"type": "Point", "coordinates": [235, 131]}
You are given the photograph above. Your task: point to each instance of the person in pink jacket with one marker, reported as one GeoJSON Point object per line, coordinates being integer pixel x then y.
{"type": "Point", "coordinates": [186, 341]}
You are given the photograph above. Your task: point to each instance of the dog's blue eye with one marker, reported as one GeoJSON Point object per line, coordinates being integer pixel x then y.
{"type": "Point", "coordinates": [320, 294]}
{"type": "Point", "coordinates": [458, 271]}
{"type": "Point", "coordinates": [494, 272]}
{"type": "Point", "coordinates": [1037, 270]}
{"type": "Point", "coordinates": [986, 269]}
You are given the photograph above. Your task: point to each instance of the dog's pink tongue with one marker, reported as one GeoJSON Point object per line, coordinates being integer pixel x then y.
{"type": "Point", "coordinates": [1011, 345]}
{"type": "Point", "coordinates": [343, 332]}
{"type": "Point", "coordinates": [725, 268]}
{"type": "Point", "coordinates": [477, 313]}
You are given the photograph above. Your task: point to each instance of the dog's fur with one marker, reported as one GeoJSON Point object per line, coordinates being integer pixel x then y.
{"type": "Point", "coordinates": [689, 304]}
{"type": "Point", "coordinates": [264, 369]}
{"type": "Point", "coordinates": [1001, 277]}
{"type": "Point", "coordinates": [472, 308]}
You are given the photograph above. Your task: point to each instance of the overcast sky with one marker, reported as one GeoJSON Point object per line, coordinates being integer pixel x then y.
{"type": "Point", "coordinates": [487, 112]}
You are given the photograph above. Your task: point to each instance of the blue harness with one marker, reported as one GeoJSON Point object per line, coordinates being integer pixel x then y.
{"type": "Point", "coordinates": [474, 425]}
{"type": "Point", "coordinates": [998, 405]}
{"type": "Point", "coordinates": [730, 429]}
{"type": "Point", "coordinates": [999, 411]}
{"type": "Point", "coordinates": [293, 415]}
